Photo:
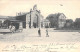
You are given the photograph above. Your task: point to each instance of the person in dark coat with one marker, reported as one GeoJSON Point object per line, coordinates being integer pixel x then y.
{"type": "Point", "coordinates": [39, 32]}
{"type": "Point", "coordinates": [47, 33]}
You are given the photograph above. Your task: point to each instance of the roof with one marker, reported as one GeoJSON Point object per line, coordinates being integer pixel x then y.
{"type": "Point", "coordinates": [56, 15]}
{"type": "Point", "coordinates": [3, 17]}
{"type": "Point", "coordinates": [14, 20]}
{"type": "Point", "coordinates": [46, 20]}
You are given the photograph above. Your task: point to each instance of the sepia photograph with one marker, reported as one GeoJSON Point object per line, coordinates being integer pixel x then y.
{"type": "Point", "coordinates": [39, 25]}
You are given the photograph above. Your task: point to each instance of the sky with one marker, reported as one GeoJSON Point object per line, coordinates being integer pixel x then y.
{"type": "Point", "coordinates": [71, 8]}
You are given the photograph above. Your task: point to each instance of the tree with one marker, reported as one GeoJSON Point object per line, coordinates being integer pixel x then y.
{"type": "Point", "coordinates": [53, 18]}
{"type": "Point", "coordinates": [77, 23]}
{"type": "Point", "coordinates": [69, 23]}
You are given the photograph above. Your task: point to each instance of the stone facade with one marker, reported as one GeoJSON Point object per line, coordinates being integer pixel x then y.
{"type": "Point", "coordinates": [34, 19]}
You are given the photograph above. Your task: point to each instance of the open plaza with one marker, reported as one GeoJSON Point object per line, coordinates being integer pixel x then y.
{"type": "Point", "coordinates": [31, 35]}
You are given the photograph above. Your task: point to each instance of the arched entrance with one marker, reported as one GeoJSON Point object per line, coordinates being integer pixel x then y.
{"type": "Point", "coordinates": [35, 22]}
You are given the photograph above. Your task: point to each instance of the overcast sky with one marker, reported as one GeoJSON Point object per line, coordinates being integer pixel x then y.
{"type": "Point", "coordinates": [71, 8]}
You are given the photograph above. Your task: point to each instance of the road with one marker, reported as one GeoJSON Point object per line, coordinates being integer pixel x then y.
{"type": "Point", "coordinates": [31, 35]}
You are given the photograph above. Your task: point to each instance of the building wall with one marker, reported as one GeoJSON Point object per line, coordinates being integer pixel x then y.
{"type": "Point", "coordinates": [33, 17]}
{"type": "Point", "coordinates": [46, 23]}
{"type": "Point", "coordinates": [27, 20]}
{"type": "Point", "coordinates": [36, 18]}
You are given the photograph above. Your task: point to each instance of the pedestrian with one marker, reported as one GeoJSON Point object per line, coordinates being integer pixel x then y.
{"type": "Point", "coordinates": [12, 28]}
{"type": "Point", "coordinates": [47, 33]}
{"type": "Point", "coordinates": [39, 32]}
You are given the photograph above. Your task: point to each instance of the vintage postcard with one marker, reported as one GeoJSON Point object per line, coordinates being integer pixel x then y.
{"type": "Point", "coordinates": [39, 25]}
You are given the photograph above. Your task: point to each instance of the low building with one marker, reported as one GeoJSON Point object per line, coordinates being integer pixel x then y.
{"type": "Point", "coordinates": [2, 19]}
{"type": "Point", "coordinates": [46, 23]}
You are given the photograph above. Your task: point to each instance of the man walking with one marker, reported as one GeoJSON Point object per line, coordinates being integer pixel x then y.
{"type": "Point", "coordinates": [39, 32]}
{"type": "Point", "coordinates": [47, 33]}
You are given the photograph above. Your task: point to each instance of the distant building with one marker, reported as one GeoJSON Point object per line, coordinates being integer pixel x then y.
{"type": "Point", "coordinates": [57, 20]}
{"type": "Point", "coordinates": [61, 20]}
{"type": "Point", "coordinates": [2, 19]}
{"type": "Point", "coordinates": [32, 19]}
{"type": "Point", "coordinates": [46, 23]}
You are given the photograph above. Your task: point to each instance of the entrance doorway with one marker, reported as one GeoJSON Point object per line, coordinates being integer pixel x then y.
{"type": "Point", "coordinates": [35, 22]}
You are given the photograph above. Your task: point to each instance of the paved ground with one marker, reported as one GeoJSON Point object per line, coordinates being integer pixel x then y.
{"type": "Point", "coordinates": [31, 35]}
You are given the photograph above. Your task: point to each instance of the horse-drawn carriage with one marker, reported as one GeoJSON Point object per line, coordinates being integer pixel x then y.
{"type": "Point", "coordinates": [16, 26]}
{"type": "Point", "coordinates": [13, 26]}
